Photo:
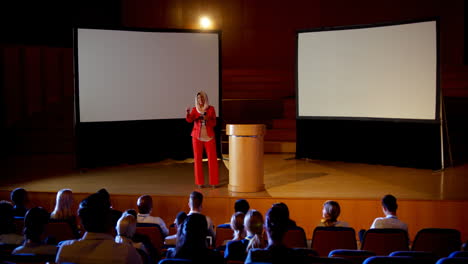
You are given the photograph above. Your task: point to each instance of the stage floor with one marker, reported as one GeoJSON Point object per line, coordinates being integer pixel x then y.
{"type": "Point", "coordinates": [284, 177]}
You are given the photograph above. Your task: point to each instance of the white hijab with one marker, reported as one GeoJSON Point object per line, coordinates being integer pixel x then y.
{"type": "Point", "coordinates": [207, 103]}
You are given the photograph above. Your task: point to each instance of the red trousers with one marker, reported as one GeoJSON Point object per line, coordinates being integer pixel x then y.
{"type": "Point", "coordinates": [210, 148]}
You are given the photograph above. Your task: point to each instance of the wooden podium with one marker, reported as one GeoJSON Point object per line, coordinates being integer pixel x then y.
{"type": "Point", "coordinates": [245, 157]}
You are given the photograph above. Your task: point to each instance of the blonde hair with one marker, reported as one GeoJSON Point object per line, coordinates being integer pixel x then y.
{"type": "Point", "coordinates": [253, 223]}
{"type": "Point", "coordinates": [332, 210]}
{"type": "Point", "coordinates": [207, 103]}
{"type": "Point", "coordinates": [126, 225]}
{"type": "Point", "coordinates": [237, 225]}
{"type": "Point", "coordinates": [63, 205]}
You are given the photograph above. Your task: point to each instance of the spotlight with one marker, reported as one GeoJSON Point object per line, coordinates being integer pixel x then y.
{"type": "Point", "coordinates": [205, 22]}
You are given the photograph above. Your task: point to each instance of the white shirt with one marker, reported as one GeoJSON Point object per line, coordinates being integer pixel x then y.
{"type": "Point", "coordinates": [390, 221]}
{"type": "Point", "coordinates": [147, 218]}
{"type": "Point", "coordinates": [97, 248]}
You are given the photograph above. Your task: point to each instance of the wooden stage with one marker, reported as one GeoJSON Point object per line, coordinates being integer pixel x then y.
{"type": "Point", "coordinates": [426, 198]}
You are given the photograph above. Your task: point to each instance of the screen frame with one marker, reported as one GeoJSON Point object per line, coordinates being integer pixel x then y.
{"type": "Point", "coordinates": [437, 117]}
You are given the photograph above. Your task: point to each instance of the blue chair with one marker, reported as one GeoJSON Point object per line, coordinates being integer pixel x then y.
{"type": "Point", "coordinates": [175, 261]}
{"type": "Point", "coordinates": [428, 257]}
{"type": "Point", "coordinates": [459, 254]}
{"type": "Point", "coordinates": [453, 261]}
{"type": "Point", "coordinates": [355, 256]}
{"type": "Point", "coordinates": [391, 260]}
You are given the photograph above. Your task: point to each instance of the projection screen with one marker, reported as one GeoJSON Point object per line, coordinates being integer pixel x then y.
{"type": "Point", "coordinates": [382, 72]}
{"type": "Point", "coordinates": [140, 75]}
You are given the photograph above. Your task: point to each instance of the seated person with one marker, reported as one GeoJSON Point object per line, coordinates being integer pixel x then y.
{"type": "Point", "coordinates": [97, 245]}
{"type": "Point", "coordinates": [115, 214]}
{"type": "Point", "coordinates": [330, 212]}
{"type": "Point", "coordinates": [389, 208]}
{"type": "Point", "coordinates": [276, 225]}
{"type": "Point", "coordinates": [237, 225]}
{"type": "Point", "coordinates": [126, 228]}
{"type": "Point", "coordinates": [145, 207]}
{"type": "Point", "coordinates": [237, 249]}
{"type": "Point", "coordinates": [180, 218]}
{"type": "Point", "coordinates": [196, 205]}
{"type": "Point", "coordinates": [34, 221]}
{"type": "Point", "coordinates": [63, 210]}
{"type": "Point", "coordinates": [20, 199]}
{"type": "Point", "coordinates": [7, 225]}
{"type": "Point", "coordinates": [191, 241]}
{"type": "Point", "coordinates": [291, 223]}
{"type": "Point", "coordinates": [240, 205]}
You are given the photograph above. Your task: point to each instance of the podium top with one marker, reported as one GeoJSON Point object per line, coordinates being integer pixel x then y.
{"type": "Point", "coordinates": [245, 130]}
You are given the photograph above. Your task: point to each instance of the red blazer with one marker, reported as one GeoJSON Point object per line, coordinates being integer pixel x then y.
{"type": "Point", "coordinates": [210, 119]}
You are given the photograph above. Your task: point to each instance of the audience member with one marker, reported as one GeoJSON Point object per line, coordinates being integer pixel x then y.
{"type": "Point", "coordinates": [126, 228]}
{"type": "Point", "coordinates": [276, 225]}
{"type": "Point", "coordinates": [96, 245]}
{"type": "Point", "coordinates": [63, 211]}
{"type": "Point", "coordinates": [180, 218]}
{"type": "Point", "coordinates": [241, 205]}
{"type": "Point", "coordinates": [20, 199]}
{"type": "Point", "coordinates": [284, 208]}
{"type": "Point", "coordinates": [145, 207]}
{"type": "Point", "coordinates": [7, 225]}
{"type": "Point", "coordinates": [115, 214]}
{"type": "Point", "coordinates": [34, 221]}
{"type": "Point", "coordinates": [330, 212]}
{"type": "Point", "coordinates": [191, 241]}
{"type": "Point", "coordinates": [389, 207]}
{"type": "Point", "coordinates": [195, 205]}
{"type": "Point", "coordinates": [237, 225]}
{"type": "Point", "coordinates": [253, 223]}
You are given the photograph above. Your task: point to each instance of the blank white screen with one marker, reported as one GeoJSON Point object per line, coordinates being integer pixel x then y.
{"type": "Point", "coordinates": [377, 72]}
{"type": "Point", "coordinates": [131, 75]}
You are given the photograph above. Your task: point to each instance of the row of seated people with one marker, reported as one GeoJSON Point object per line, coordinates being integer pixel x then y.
{"type": "Point", "coordinates": [236, 249]}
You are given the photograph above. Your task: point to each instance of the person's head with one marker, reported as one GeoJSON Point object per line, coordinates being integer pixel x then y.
{"type": "Point", "coordinates": [196, 200]}
{"type": "Point", "coordinates": [276, 224]}
{"type": "Point", "coordinates": [180, 218]}
{"type": "Point", "coordinates": [131, 212]}
{"type": "Point", "coordinates": [237, 225]}
{"type": "Point", "coordinates": [95, 214]}
{"type": "Point", "coordinates": [201, 101]}
{"type": "Point", "coordinates": [34, 221]}
{"type": "Point", "coordinates": [19, 197]}
{"type": "Point", "coordinates": [126, 225]}
{"type": "Point", "coordinates": [253, 224]}
{"type": "Point", "coordinates": [241, 205]}
{"type": "Point", "coordinates": [283, 207]}
{"type": "Point", "coordinates": [191, 236]}
{"type": "Point", "coordinates": [389, 204]}
{"type": "Point", "coordinates": [330, 212]}
{"type": "Point", "coordinates": [7, 224]}
{"type": "Point", "coordinates": [145, 204]}
{"type": "Point", "coordinates": [105, 196]}
{"type": "Point", "coordinates": [63, 205]}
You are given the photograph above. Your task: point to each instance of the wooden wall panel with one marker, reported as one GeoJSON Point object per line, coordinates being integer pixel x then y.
{"type": "Point", "coordinates": [13, 85]}
{"type": "Point", "coordinates": [32, 79]}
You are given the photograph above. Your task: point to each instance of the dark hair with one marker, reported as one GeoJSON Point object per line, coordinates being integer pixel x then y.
{"type": "Point", "coordinates": [241, 205]}
{"type": "Point", "coordinates": [34, 221]}
{"type": "Point", "coordinates": [180, 218]}
{"type": "Point", "coordinates": [19, 196]}
{"type": "Point", "coordinates": [131, 212]}
{"type": "Point", "coordinates": [390, 203]}
{"type": "Point", "coordinates": [283, 207]}
{"type": "Point", "coordinates": [105, 196]}
{"type": "Point", "coordinates": [145, 204]}
{"type": "Point", "coordinates": [95, 214]}
{"type": "Point", "coordinates": [333, 210]}
{"type": "Point", "coordinates": [7, 224]}
{"type": "Point", "coordinates": [197, 199]}
{"type": "Point", "coordinates": [276, 223]}
{"type": "Point", "coordinates": [191, 237]}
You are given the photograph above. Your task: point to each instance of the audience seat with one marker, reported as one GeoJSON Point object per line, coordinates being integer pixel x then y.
{"type": "Point", "coordinates": [19, 224]}
{"type": "Point", "coordinates": [326, 239]}
{"type": "Point", "coordinates": [383, 241]}
{"type": "Point", "coordinates": [452, 261]}
{"type": "Point", "coordinates": [223, 234]}
{"type": "Point", "coordinates": [459, 254]}
{"type": "Point", "coordinates": [355, 256]}
{"type": "Point", "coordinates": [58, 231]}
{"type": "Point", "coordinates": [153, 232]}
{"type": "Point", "coordinates": [440, 241]}
{"type": "Point", "coordinates": [29, 258]}
{"type": "Point", "coordinates": [428, 256]}
{"type": "Point", "coordinates": [295, 238]}
{"type": "Point", "coordinates": [394, 260]}
{"type": "Point", "coordinates": [175, 261]}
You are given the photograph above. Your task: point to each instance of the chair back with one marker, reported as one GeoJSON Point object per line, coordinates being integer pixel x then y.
{"type": "Point", "coordinates": [175, 261]}
{"type": "Point", "coordinates": [223, 234]}
{"type": "Point", "coordinates": [429, 257]}
{"type": "Point", "coordinates": [326, 239]}
{"type": "Point", "coordinates": [295, 238]}
{"type": "Point", "coordinates": [383, 241]}
{"type": "Point", "coordinates": [355, 256]}
{"type": "Point", "coordinates": [154, 234]}
{"type": "Point", "coordinates": [19, 224]}
{"type": "Point", "coordinates": [28, 258]}
{"type": "Point", "coordinates": [393, 260]}
{"type": "Point", "coordinates": [452, 261]}
{"type": "Point", "coordinates": [440, 241]}
{"type": "Point", "coordinates": [459, 254]}
{"type": "Point", "coordinates": [58, 231]}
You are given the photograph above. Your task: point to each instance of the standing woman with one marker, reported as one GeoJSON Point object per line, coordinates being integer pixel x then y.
{"type": "Point", "coordinates": [203, 117]}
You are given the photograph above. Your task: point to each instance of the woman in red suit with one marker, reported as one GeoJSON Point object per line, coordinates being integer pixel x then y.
{"type": "Point", "coordinates": [203, 117]}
